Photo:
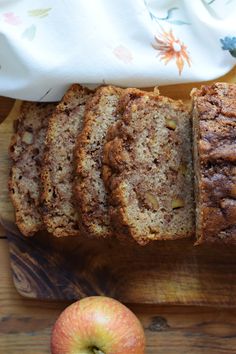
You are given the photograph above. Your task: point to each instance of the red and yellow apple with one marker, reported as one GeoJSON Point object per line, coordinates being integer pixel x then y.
{"type": "Point", "coordinates": [97, 325]}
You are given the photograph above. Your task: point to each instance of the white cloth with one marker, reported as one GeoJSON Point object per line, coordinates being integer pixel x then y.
{"type": "Point", "coordinates": [46, 45]}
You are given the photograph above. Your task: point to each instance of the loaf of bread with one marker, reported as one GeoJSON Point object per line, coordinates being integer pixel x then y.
{"type": "Point", "coordinates": [26, 151]}
{"type": "Point", "coordinates": [148, 169]}
{"type": "Point", "coordinates": [214, 131]}
{"type": "Point", "coordinates": [59, 209]}
{"type": "Point", "coordinates": [100, 113]}
{"type": "Point", "coordinates": [120, 161]}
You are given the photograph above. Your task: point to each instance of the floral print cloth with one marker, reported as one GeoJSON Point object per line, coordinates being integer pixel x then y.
{"type": "Point", "coordinates": [47, 45]}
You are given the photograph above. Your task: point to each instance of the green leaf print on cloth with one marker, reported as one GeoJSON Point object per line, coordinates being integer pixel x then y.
{"type": "Point", "coordinates": [39, 12]}
{"type": "Point", "coordinates": [29, 33]}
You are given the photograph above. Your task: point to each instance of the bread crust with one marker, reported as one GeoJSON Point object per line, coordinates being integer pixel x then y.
{"type": "Point", "coordinates": [214, 130]}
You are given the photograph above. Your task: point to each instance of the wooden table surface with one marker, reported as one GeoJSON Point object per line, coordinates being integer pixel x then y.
{"type": "Point", "coordinates": [25, 325]}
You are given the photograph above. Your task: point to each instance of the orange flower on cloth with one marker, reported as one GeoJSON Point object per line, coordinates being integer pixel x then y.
{"type": "Point", "coordinates": [170, 48]}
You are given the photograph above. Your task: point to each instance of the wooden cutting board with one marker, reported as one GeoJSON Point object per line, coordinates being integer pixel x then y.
{"type": "Point", "coordinates": [169, 272]}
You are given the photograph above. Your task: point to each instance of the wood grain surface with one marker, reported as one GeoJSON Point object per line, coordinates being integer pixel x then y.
{"type": "Point", "coordinates": [44, 267]}
{"type": "Point", "coordinates": [25, 324]}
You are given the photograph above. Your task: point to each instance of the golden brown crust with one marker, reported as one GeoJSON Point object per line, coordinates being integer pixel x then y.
{"type": "Point", "coordinates": [143, 173]}
{"type": "Point", "coordinates": [100, 113]}
{"type": "Point", "coordinates": [26, 151]}
{"type": "Point", "coordinates": [59, 208]}
{"type": "Point", "coordinates": [214, 129]}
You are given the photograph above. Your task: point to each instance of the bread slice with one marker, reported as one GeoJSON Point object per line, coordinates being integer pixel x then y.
{"type": "Point", "coordinates": [214, 131]}
{"type": "Point", "coordinates": [100, 113]}
{"type": "Point", "coordinates": [59, 210]}
{"type": "Point", "coordinates": [148, 169]}
{"type": "Point", "coordinates": [26, 151]}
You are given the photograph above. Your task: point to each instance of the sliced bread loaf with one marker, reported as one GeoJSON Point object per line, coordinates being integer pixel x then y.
{"type": "Point", "coordinates": [148, 169]}
{"type": "Point", "coordinates": [59, 210]}
{"type": "Point", "coordinates": [214, 131]}
{"type": "Point", "coordinates": [26, 151]}
{"type": "Point", "coordinates": [100, 113]}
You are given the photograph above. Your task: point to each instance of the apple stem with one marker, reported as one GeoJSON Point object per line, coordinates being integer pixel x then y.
{"type": "Point", "coordinates": [97, 351]}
